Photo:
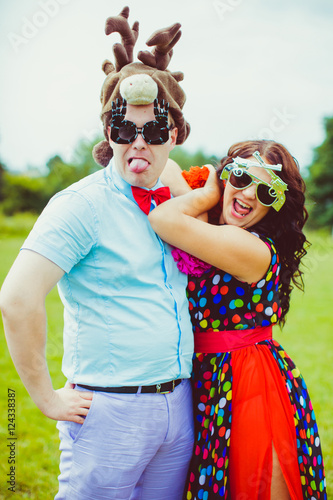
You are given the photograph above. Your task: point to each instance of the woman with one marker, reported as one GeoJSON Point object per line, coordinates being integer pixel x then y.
{"type": "Point", "coordinates": [256, 435]}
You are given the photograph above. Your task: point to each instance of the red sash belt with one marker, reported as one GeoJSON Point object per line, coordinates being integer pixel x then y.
{"type": "Point", "coordinates": [230, 340]}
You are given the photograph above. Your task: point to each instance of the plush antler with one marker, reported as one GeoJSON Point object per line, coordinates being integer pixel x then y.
{"type": "Point", "coordinates": [163, 40]}
{"type": "Point", "coordinates": [139, 83]}
{"type": "Point", "coordinates": [123, 52]}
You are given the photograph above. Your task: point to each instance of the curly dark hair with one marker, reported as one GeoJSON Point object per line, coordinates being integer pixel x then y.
{"type": "Point", "coordinates": [285, 226]}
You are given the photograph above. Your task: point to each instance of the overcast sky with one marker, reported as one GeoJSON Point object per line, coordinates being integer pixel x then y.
{"type": "Point", "coordinates": [253, 69]}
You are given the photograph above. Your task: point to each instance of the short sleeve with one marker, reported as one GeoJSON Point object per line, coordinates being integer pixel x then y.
{"type": "Point", "coordinates": [275, 265]}
{"type": "Point", "coordinates": [66, 230]}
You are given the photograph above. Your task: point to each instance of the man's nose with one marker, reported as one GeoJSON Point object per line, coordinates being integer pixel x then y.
{"type": "Point", "coordinates": [139, 142]}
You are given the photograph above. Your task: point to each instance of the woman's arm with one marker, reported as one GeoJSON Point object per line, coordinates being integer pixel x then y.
{"type": "Point", "coordinates": [172, 177]}
{"type": "Point", "coordinates": [227, 247]}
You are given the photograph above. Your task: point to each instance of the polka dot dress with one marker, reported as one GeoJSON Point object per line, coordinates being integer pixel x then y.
{"type": "Point", "coordinates": [248, 401]}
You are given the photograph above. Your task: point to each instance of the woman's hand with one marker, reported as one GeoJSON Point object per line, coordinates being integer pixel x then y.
{"type": "Point", "coordinates": [204, 198]}
{"type": "Point", "coordinates": [212, 188]}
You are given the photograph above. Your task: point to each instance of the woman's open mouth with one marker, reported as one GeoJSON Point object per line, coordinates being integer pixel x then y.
{"type": "Point", "coordinates": [241, 208]}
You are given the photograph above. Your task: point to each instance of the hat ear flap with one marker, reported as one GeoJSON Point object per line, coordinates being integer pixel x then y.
{"type": "Point", "coordinates": [102, 153]}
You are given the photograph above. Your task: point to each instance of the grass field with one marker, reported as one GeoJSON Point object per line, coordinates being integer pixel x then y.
{"type": "Point", "coordinates": [307, 337]}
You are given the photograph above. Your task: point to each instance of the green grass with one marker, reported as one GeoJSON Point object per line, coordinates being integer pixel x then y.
{"type": "Point", "coordinates": [307, 337]}
{"type": "Point", "coordinates": [37, 445]}
{"type": "Point", "coordinates": [18, 225]}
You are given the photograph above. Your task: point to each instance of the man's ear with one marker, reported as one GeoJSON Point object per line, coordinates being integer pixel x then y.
{"type": "Point", "coordinates": [173, 137]}
{"type": "Point", "coordinates": [109, 132]}
{"type": "Point", "coordinates": [109, 136]}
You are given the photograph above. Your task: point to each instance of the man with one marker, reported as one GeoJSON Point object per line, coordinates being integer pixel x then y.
{"type": "Point", "coordinates": [125, 415]}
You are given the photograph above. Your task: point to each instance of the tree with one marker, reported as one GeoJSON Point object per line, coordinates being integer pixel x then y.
{"type": "Point", "coordinates": [320, 181]}
{"type": "Point", "coordinates": [22, 193]}
{"type": "Point", "coordinates": [30, 193]}
{"type": "Point", "coordinates": [62, 174]}
{"type": "Point", "coordinates": [83, 157]}
{"type": "Point", "coordinates": [187, 160]}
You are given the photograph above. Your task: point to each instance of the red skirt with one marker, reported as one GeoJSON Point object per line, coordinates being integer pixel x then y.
{"type": "Point", "coordinates": [246, 402]}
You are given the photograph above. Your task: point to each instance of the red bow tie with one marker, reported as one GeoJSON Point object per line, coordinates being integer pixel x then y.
{"type": "Point", "coordinates": [143, 197]}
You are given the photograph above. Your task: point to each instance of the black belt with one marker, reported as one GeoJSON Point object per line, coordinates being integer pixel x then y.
{"type": "Point", "coordinates": [157, 389]}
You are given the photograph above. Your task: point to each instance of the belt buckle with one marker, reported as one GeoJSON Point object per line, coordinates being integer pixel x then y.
{"type": "Point", "coordinates": [158, 388]}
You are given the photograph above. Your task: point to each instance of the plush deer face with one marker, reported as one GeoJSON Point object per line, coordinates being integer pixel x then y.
{"type": "Point", "coordinates": [140, 80]}
{"type": "Point", "coordinates": [139, 89]}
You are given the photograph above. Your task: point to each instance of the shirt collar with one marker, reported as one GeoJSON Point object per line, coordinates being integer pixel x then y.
{"type": "Point", "coordinates": [123, 186]}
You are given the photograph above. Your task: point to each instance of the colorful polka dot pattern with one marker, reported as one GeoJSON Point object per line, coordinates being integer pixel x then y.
{"type": "Point", "coordinates": [217, 301]}
{"type": "Point", "coordinates": [220, 302]}
{"type": "Point", "coordinates": [212, 402]}
{"type": "Point", "coordinates": [310, 458]}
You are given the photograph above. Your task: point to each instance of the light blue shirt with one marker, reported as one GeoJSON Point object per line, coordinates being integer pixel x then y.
{"type": "Point", "coordinates": [126, 319]}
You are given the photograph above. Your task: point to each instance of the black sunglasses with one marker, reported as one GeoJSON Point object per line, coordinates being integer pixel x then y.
{"type": "Point", "coordinates": [153, 132]}
{"type": "Point", "coordinates": [239, 179]}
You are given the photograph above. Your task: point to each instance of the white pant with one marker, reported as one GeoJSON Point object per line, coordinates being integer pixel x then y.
{"type": "Point", "coordinates": [130, 446]}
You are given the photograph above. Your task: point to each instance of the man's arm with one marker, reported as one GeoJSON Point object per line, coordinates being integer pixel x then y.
{"type": "Point", "coordinates": [22, 302]}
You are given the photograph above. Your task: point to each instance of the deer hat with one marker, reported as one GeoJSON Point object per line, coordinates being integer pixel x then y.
{"type": "Point", "coordinates": [140, 82]}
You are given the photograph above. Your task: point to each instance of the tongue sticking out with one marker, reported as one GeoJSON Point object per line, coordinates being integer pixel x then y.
{"type": "Point", "coordinates": [240, 209]}
{"type": "Point", "coordinates": [138, 165]}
